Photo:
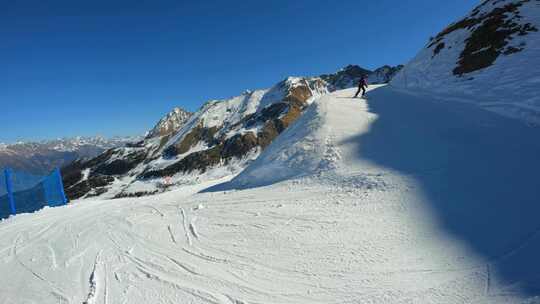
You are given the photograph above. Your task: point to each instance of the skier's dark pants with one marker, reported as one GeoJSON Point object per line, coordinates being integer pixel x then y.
{"type": "Point", "coordinates": [363, 89]}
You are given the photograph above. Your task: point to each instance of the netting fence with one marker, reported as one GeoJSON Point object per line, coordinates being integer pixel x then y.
{"type": "Point", "coordinates": [22, 192]}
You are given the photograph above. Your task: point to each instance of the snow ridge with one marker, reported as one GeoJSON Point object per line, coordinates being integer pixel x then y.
{"type": "Point", "coordinates": [301, 150]}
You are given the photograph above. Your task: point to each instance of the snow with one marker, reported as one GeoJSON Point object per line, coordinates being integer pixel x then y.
{"type": "Point", "coordinates": [305, 148]}
{"type": "Point", "coordinates": [279, 91]}
{"type": "Point", "coordinates": [85, 174]}
{"type": "Point", "coordinates": [492, 88]}
{"type": "Point", "coordinates": [218, 113]}
{"type": "Point", "coordinates": [171, 122]}
{"type": "Point", "coordinates": [399, 198]}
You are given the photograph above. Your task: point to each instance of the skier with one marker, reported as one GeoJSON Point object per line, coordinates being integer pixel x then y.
{"type": "Point", "coordinates": [362, 85]}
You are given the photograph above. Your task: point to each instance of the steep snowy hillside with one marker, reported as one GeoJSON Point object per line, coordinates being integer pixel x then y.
{"type": "Point", "coordinates": [374, 206]}
{"type": "Point", "coordinates": [488, 58]}
{"type": "Point", "coordinates": [41, 157]}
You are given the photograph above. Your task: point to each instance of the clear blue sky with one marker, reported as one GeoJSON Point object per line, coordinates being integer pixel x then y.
{"type": "Point", "coordinates": [111, 67]}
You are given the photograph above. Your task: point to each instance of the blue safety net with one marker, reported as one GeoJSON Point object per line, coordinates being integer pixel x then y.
{"type": "Point", "coordinates": [21, 192]}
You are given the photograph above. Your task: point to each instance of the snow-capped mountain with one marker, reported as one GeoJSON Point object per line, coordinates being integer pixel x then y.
{"type": "Point", "coordinates": [482, 59]}
{"type": "Point", "coordinates": [41, 157]}
{"type": "Point", "coordinates": [218, 140]}
{"type": "Point", "coordinates": [171, 123]}
{"type": "Point", "coordinates": [345, 78]}
{"type": "Point", "coordinates": [384, 74]}
{"type": "Point", "coordinates": [349, 76]}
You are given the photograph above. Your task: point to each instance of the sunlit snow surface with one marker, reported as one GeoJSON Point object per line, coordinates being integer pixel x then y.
{"type": "Point", "coordinates": [393, 199]}
{"type": "Point", "coordinates": [509, 87]}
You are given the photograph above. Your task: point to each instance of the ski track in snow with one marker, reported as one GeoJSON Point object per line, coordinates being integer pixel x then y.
{"type": "Point", "coordinates": [351, 232]}
{"type": "Point", "coordinates": [185, 225]}
{"type": "Point", "coordinates": [93, 288]}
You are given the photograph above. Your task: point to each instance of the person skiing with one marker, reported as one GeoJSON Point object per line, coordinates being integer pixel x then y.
{"type": "Point", "coordinates": [362, 86]}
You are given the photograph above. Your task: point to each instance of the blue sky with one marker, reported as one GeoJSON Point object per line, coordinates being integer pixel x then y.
{"type": "Point", "coordinates": [73, 68]}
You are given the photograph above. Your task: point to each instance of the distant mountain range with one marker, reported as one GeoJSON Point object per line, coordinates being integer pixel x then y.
{"type": "Point", "coordinates": [41, 157]}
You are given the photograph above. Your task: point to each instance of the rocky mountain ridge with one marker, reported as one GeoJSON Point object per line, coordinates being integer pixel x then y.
{"type": "Point", "coordinates": [170, 123]}
{"type": "Point", "coordinates": [219, 140]}
{"type": "Point", "coordinates": [350, 75]}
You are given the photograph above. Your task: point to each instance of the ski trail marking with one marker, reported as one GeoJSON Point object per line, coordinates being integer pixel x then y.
{"type": "Point", "coordinates": [488, 280]}
{"type": "Point", "coordinates": [186, 228]}
{"type": "Point", "coordinates": [105, 292]}
{"type": "Point", "coordinates": [184, 267]}
{"type": "Point", "coordinates": [204, 295]}
{"type": "Point", "coordinates": [193, 229]}
{"type": "Point", "coordinates": [524, 243]}
{"type": "Point", "coordinates": [53, 256]}
{"type": "Point", "coordinates": [206, 257]}
{"type": "Point", "coordinates": [171, 233]}
{"type": "Point", "coordinates": [57, 292]}
{"type": "Point", "coordinates": [156, 209]}
{"type": "Point", "coordinates": [92, 293]}
{"type": "Point", "coordinates": [69, 261]}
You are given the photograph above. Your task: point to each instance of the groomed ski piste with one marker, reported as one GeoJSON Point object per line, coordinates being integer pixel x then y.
{"type": "Point", "coordinates": [397, 198]}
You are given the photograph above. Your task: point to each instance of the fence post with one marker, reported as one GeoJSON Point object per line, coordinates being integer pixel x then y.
{"type": "Point", "coordinates": [60, 185]}
{"type": "Point", "coordinates": [9, 188]}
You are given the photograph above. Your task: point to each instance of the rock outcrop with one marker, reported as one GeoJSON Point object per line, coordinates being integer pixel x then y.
{"type": "Point", "coordinates": [480, 58]}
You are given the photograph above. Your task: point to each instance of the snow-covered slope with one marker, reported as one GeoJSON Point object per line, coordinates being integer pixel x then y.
{"type": "Point", "coordinates": [488, 58]}
{"type": "Point", "coordinates": [374, 206]}
{"type": "Point", "coordinates": [299, 151]}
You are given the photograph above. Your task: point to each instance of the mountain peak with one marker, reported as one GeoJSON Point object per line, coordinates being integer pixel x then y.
{"type": "Point", "coordinates": [348, 76]}
{"type": "Point", "coordinates": [170, 123]}
{"type": "Point", "coordinates": [483, 58]}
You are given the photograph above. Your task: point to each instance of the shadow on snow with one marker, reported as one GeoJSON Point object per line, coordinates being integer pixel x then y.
{"type": "Point", "coordinates": [480, 173]}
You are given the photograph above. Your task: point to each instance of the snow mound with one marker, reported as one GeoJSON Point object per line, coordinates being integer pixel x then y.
{"type": "Point", "coordinates": [299, 151]}
{"type": "Point", "coordinates": [315, 145]}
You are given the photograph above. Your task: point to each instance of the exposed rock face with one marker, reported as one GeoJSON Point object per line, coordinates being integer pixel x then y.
{"type": "Point", "coordinates": [169, 124]}
{"type": "Point", "coordinates": [86, 178]}
{"type": "Point", "coordinates": [485, 59]}
{"type": "Point", "coordinates": [384, 74]}
{"type": "Point", "coordinates": [491, 34]}
{"type": "Point", "coordinates": [198, 134]}
{"type": "Point", "coordinates": [90, 178]}
{"type": "Point", "coordinates": [346, 78]}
